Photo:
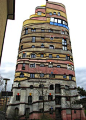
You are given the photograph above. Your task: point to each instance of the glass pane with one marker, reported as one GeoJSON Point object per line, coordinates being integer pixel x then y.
{"type": "Point", "coordinates": [50, 13]}
{"type": "Point", "coordinates": [54, 13]}
{"type": "Point", "coordinates": [57, 56]}
{"type": "Point", "coordinates": [38, 13]}
{"type": "Point", "coordinates": [58, 13]}
{"type": "Point", "coordinates": [59, 21]}
{"type": "Point", "coordinates": [33, 46]}
{"type": "Point", "coordinates": [55, 20]}
{"type": "Point", "coordinates": [63, 47]}
{"type": "Point", "coordinates": [52, 19]}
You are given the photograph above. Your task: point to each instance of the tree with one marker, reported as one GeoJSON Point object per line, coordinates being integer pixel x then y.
{"type": "Point", "coordinates": [1, 83]}
{"type": "Point", "coordinates": [82, 94]}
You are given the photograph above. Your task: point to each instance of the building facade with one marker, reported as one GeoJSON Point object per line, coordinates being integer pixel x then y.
{"type": "Point", "coordinates": [7, 11]}
{"type": "Point", "coordinates": [45, 77]}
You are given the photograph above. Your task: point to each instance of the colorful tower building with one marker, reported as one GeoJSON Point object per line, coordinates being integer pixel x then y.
{"type": "Point", "coordinates": [45, 78]}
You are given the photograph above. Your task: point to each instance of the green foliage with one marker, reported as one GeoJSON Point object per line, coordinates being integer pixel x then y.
{"type": "Point", "coordinates": [85, 112]}
{"type": "Point", "coordinates": [82, 93]}
{"type": "Point", "coordinates": [14, 116]}
{"type": "Point", "coordinates": [46, 117]}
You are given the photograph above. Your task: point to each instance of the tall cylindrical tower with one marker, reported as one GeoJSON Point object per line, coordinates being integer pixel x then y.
{"type": "Point", "coordinates": [45, 78]}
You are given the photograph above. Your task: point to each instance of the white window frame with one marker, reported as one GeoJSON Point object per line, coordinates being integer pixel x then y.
{"type": "Point", "coordinates": [55, 20]}
{"type": "Point", "coordinates": [59, 21]}
{"type": "Point", "coordinates": [51, 19]}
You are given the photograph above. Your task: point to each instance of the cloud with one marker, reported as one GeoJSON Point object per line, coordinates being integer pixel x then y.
{"type": "Point", "coordinates": [7, 70]}
{"type": "Point", "coordinates": [81, 77]}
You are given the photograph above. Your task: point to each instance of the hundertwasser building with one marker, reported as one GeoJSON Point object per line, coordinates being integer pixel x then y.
{"type": "Point", "coordinates": [45, 78]}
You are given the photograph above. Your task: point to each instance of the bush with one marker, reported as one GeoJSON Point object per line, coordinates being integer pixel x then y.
{"type": "Point", "coordinates": [85, 112]}
{"type": "Point", "coordinates": [46, 117]}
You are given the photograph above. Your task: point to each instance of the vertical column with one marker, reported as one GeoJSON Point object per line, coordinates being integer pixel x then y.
{"type": "Point", "coordinates": [63, 103]}
{"type": "Point", "coordinates": [22, 100]}
{"type": "Point", "coordinates": [12, 100]}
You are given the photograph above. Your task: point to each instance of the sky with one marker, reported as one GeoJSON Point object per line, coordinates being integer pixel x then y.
{"type": "Point", "coordinates": [76, 17]}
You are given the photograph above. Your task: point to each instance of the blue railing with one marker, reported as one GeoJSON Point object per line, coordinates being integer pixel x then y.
{"type": "Point", "coordinates": [59, 24]}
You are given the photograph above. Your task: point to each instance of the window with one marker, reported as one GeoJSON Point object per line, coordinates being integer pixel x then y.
{"type": "Point", "coordinates": [33, 46]}
{"type": "Point", "coordinates": [57, 56]}
{"type": "Point", "coordinates": [26, 31]}
{"type": "Point", "coordinates": [51, 47]}
{"type": "Point", "coordinates": [51, 38]}
{"type": "Point", "coordinates": [67, 98]}
{"type": "Point", "coordinates": [64, 42]}
{"type": "Point", "coordinates": [54, 13]}
{"type": "Point", "coordinates": [59, 21]}
{"type": "Point", "coordinates": [32, 75]}
{"type": "Point", "coordinates": [58, 66]}
{"type": "Point", "coordinates": [50, 13]}
{"type": "Point", "coordinates": [57, 88]}
{"type": "Point", "coordinates": [33, 39]}
{"type": "Point", "coordinates": [50, 65]}
{"type": "Point", "coordinates": [69, 67]}
{"type": "Point", "coordinates": [32, 65]}
{"type": "Point", "coordinates": [42, 38]}
{"type": "Point", "coordinates": [16, 111]}
{"type": "Point", "coordinates": [55, 20]}
{"type": "Point", "coordinates": [42, 46]}
{"type": "Point", "coordinates": [21, 47]}
{"type": "Point", "coordinates": [57, 100]}
{"type": "Point", "coordinates": [51, 19]}
{"type": "Point", "coordinates": [27, 112]}
{"type": "Point", "coordinates": [51, 87]}
{"type": "Point", "coordinates": [42, 30]}
{"type": "Point", "coordinates": [50, 97]}
{"type": "Point", "coordinates": [50, 55]}
{"type": "Point", "coordinates": [66, 87]}
{"type": "Point", "coordinates": [29, 100]}
{"type": "Point", "coordinates": [42, 75]}
{"type": "Point", "coordinates": [41, 65]}
{"type": "Point", "coordinates": [40, 97]}
{"type": "Point", "coordinates": [23, 66]}
{"type": "Point", "coordinates": [70, 77]}
{"type": "Point", "coordinates": [64, 76]}
{"type": "Point", "coordinates": [33, 29]}
{"type": "Point", "coordinates": [58, 13]}
{"type": "Point", "coordinates": [51, 75]}
{"type": "Point", "coordinates": [51, 110]}
{"type": "Point", "coordinates": [62, 32]}
{"type": "Point", "coordinates": [21, 75]}
{"type": "Point", "coordinates": [64, 22]}
{"type": "Point", "coordinates": [17, 97]}
{"type": "Point", "coordinates": [42, 55]}
{"type": "Point", "coordinates": [38, 13]}
{"type": "Point", "coordinates": [31, 86]}
{"type": "Point", "coordinates": [74, 111]}
{"type": "Point", "coordinates": [50, 30]}
{"type": "Point", "coordinates": [33, 55]}
{"type": "Point", "coordinates": [67, 57]}
{"type": "Point", "coordinates": [24, 55]}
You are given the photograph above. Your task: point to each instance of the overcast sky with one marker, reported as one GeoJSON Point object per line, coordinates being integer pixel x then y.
{"type": "Point", "coordinates": [76, 17]}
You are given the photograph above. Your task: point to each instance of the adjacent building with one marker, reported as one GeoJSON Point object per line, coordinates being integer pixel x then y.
{"type": "Point", "coordinates": [7, 11]}
{"type": "Point", "coordinates": [45, 78]}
